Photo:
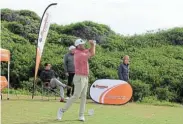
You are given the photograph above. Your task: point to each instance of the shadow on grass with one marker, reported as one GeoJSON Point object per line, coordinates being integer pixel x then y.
{"type": "Point", "coordinates": [37, 98]}
{"type": "Point", "coordinates": [50, 121]}
{"type": "Point", "coordinates": [46, 100]}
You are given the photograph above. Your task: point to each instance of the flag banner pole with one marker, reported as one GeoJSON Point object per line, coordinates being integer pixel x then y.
{"type": "Point", "coordinates": [43, 31]}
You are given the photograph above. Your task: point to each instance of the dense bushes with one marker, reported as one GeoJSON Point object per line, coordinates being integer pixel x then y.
{"type": "Point", "coordinates": [156, 59]}
{"type": "Point", "coordinates": [140, 90]}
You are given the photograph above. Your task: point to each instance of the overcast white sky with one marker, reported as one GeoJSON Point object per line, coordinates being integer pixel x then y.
{"type": "Point", "coordinates": [123, 16]}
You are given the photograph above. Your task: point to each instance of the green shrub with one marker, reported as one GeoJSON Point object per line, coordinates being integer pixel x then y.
{"type": "Point", "coordinates": [163, 94]}
{"type": "Point", "coordinates": [140, 90]}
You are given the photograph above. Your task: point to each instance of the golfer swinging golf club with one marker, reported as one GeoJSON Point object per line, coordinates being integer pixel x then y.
{"type": "Point", "coordinates": [81, 56]}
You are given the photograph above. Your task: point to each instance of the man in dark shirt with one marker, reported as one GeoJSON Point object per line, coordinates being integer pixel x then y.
{"type": "Point", "coordinates": [48, 76]}
{"type": "Point", "coordinates": [69, 69]}
{"type": "Point", "coordinates": [123, 70]}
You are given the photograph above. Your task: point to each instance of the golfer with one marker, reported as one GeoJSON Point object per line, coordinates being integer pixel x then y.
{"type": "Point", "coordinates": [81, 56]}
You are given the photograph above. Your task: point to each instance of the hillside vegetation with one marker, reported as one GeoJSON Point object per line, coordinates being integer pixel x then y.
{"type": "Point", "coordinates": [156, 58]}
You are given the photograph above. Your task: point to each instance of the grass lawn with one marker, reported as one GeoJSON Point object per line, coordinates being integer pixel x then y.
{"type": "Point", "coordinates": [37, 111]}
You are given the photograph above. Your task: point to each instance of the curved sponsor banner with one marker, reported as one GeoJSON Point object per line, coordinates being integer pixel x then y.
{"type": "Point", "coordinates": [114, 92]}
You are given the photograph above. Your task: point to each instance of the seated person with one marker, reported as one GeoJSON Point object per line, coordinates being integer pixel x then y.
{"type": "Point", "coordinates": [48, 76]}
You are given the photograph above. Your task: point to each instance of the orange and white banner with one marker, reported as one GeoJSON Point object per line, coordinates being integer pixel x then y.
{"type": "Point", "coordinates": [43, 31]}
{"type": "Point", "coordinates": [114, 92]}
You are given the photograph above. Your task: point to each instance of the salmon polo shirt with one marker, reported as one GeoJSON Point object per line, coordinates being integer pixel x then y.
{"type": "Point", "coordinates": [81, 62]}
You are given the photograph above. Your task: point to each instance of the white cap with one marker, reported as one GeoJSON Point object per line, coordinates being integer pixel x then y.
{"type": "Point", "coordinates": [72, 47]}
{"type": "Point", "coordinates": [79, 41]}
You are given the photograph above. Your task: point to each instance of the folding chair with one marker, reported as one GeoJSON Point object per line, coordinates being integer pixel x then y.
{"type": "Point", "coordinates": [46, 90]}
